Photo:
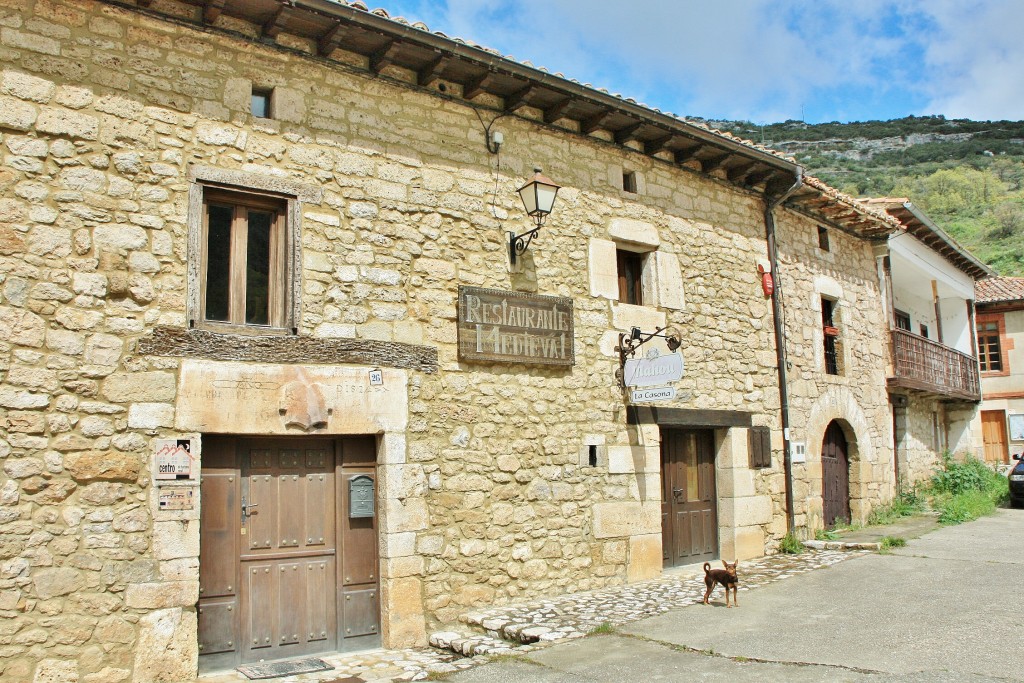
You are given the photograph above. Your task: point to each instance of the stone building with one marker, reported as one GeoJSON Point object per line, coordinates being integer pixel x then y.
{"type": "Point", "coordinates": [999, 427]}
{"type": "Point", "coordinates": [273, 385]}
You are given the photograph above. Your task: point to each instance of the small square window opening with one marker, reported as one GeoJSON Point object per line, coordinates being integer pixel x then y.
{"type": "Point", "coordinates": [823, 238]}
{"type": "Point", "coordinates": [629, 181]}
{"type": "Point", "coordinates": [261, 103]}
{"type": "Point", "coordinates": [924, 330]}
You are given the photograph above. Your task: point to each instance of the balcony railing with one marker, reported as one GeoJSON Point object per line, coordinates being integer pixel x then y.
{"type": "Point", "coordinates": [926, 365]}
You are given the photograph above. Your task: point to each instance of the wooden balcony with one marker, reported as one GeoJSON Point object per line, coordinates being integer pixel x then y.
{"type": "Point", "coordinates": [929, 366]}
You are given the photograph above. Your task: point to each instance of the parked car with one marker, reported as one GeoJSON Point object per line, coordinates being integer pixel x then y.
{"type": "Point", "coordinates": [1016, 479]}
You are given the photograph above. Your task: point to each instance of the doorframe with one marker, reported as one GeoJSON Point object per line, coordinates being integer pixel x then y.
{"type": "Point", "coordinates": [712, 435]}
{"type": "Point", "coordinates": [847, 456]}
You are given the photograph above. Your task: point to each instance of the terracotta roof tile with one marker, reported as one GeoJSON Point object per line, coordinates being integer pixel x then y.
{"type": "Point", "coordinates": [997, 289]}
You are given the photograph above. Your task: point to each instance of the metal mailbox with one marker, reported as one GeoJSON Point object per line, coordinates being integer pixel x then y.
{"type": "Point", "coordinates": [360, 496]}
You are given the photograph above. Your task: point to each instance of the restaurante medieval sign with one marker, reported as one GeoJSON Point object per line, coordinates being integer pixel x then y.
{"type": "Point", "coordinates": [514, 327]}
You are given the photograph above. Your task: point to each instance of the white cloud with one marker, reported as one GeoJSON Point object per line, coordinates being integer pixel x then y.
{"type": "Point", "coordinates": [976, 59]}
{"type": "Point", "coordinates": [764, 60]}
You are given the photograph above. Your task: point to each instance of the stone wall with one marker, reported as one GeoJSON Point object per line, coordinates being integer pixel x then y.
{"type": "Point", "coordinates": [856, 397]}
{"type": "Point", "coordinates": [104, 114]}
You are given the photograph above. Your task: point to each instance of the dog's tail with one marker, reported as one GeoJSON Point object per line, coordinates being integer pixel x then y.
{"type": "Point", "coordinates": [707, 568]}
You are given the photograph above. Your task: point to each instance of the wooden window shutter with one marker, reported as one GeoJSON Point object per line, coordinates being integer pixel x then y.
{"type": "Point", "coordinates": [759, 447]}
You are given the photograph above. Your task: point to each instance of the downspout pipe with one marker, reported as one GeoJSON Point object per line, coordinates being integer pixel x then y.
{"type": "Point", "coordinates": [780, 337]}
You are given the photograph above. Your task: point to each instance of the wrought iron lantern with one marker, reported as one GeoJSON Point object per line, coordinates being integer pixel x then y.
{"type": "Point", "coordinates": [538, 197]}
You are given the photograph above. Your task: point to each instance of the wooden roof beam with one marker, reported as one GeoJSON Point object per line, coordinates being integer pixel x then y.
{"type": "Point", "coordinates": [331, 40]}
{"type": "Point", "coordinates": [555, 111]}
{"type": "Point", "coordinates": [212, 10]}
{"type": "Point", "coordinates": [595, 122]}
{"type": "Point", "coordinates": [518, 99]}
{"type": "Point", "coordinates": [740, 171]}
{"type": "Point", "coordinates": [273, 25]}
{"type": "Point", "coordinates": [658, 144]}
{"type": "Point", "coordinates": [431, 71]}
{"type": "Point", "coordinates": [714, 163]}
{"type": "Point", "coordinates": [684, 155]}
{"type": "Point", "coordinates": [384, 57]}
{"type": "Point", "coordinates": [475, 86]}
{"type": "Point", "coordinates": [758, 177]}
{"type": "Point", "coordinates": [624, 135]}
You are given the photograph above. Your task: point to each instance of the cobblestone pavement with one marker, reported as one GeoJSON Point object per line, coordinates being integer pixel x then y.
{"type": "Point", "coordinates": [528, 626]}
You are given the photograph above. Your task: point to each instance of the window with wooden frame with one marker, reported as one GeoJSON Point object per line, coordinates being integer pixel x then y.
{"type": "Point", "coordinates": [630, 266]}
{"type": "Point", "coordinates": [990, 347]}
{"type": "Point", "coordinates": [902, 320]}
{"type": "Point", "coordinates": [244, 272]}
{"type": "Point", "coordinates": [833, 356]}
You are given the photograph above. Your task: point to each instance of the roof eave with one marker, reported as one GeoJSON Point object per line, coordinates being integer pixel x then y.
{"type": "Point", "coordinates": [973, 267]}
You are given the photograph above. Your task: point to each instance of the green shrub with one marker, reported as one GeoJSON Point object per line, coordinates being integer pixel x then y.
{"type": "Point", "coordinates": [964, 491]}
{"type": "Point", "coordinates": [959, 477]}
{"type": "Point", "coordinates": [790, 545]}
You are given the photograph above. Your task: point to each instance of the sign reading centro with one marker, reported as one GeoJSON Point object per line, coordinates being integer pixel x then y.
{"type": "Point", "coordinates": [514, 327]}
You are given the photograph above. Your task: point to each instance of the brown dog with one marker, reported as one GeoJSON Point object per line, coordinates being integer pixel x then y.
{"type": "Point", "coordinates": [726, 577]}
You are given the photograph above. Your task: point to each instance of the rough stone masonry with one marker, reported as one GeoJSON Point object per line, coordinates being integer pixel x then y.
{"type": "Point", "coordinates": [110, 118]}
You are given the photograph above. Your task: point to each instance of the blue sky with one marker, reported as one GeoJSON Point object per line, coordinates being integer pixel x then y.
{"type": "Point", "coordinates": [763, 60]}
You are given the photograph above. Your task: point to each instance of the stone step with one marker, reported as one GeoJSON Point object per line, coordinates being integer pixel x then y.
{"type": "Point", "coordinates": [841, 545]}
{"type": "Point", "coordinates": [474, 645]}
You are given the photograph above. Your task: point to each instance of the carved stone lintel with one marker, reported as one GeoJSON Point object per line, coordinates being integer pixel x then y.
{"type": "Point", "coordinates": [176, 341]}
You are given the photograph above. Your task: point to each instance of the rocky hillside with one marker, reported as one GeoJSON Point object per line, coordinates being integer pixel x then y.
{"type": "Point", "coordinates": [967, 175]}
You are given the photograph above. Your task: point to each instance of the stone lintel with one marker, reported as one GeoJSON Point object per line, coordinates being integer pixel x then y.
{"type": "Point", "coordinates": [685, 417]}
{"type": "Point", "coordinates": [256, 181]}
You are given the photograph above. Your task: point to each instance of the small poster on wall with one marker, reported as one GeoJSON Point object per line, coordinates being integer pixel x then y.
{"type": "Point", "coordinates": [1016, 427]}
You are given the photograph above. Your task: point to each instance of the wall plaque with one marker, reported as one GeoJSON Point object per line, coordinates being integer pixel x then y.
{"type": "Point", "coordinates": [176, 499]}
{"type": "Point", "coordinates": [514, 327]}
{"type": "Point", "coordinates": [174, 460]}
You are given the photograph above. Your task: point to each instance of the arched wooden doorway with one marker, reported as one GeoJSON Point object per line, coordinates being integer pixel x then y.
{"type": "Point", "coordinates": [835, 476]}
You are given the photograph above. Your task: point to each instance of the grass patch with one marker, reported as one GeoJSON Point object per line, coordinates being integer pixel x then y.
{"type": "Point", "coordinates": [825, 535]}
{"type": "Point", "coordinates": [605, 629]}
{"type": "Point", "coordinates": [966, 490]}
{"type": "Point", "coordinates": [893, 542]}
{"type": "Point", "coordinates": [791, 545]}
{"type": "Point", "coordinates": [905, 504]}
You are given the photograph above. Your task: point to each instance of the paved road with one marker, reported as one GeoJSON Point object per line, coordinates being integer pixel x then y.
{"type": "Point", "coordinates": [947, 607]}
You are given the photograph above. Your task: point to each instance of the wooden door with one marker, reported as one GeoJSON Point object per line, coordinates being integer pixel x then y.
{"type": "Point", "coordinates": [284, 571]}
{"type": "Point", "coordinates": [993, 432]}
{"type": "Point", "coordinates": [689, 519]}
{"type": "Point", "coordinates": [835, 474]}
{"type": "Point", "coordinates": [288, 549]}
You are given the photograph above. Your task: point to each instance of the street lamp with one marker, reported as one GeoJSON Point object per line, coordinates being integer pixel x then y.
{"type": "Point", "coordinates": [538, 197]}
